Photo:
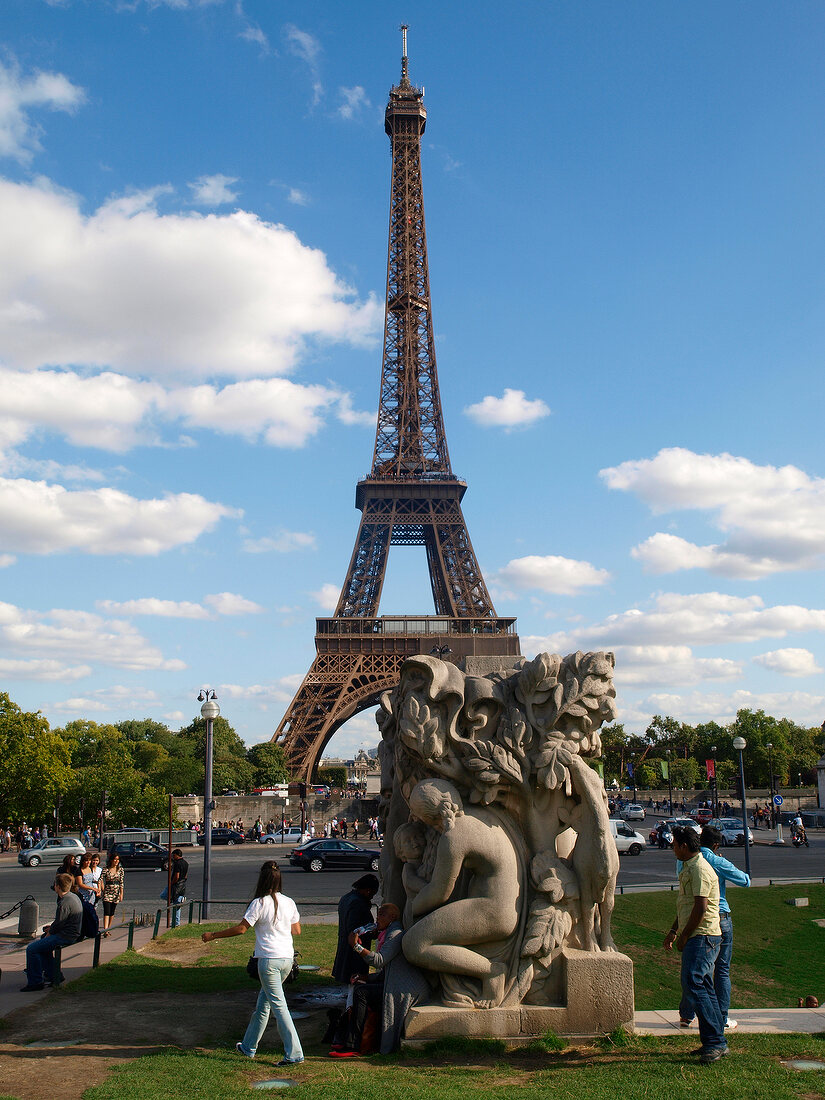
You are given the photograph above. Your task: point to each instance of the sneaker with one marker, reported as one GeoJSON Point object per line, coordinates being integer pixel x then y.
{"type": "Point", "coordinates": [241, 1051]}
{"type": "Point", "coordinates": [32, 988]}
{"type": "Point", "coordinates": [713, 1055]}
{"type": "Point", "coordinates": [731, 1025]}
{"type": "Point", "coordinates": [685, 1023]}
{"type": "Point", "coordinates": [288, 1062]}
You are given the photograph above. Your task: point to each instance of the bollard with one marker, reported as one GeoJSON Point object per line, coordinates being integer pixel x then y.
{"type": "Point", "coordinates": [131, 938]}
{"type": "Point", "coordinates": [157, 924]}
{"type": "Point", "coordinates": [29, 920]}
{"type": "Point", "coordinates": [58, 972]}
{"type": "Point", "coordinates": [191, 910]}
{"type": "Point", "coordinates": [96, 952]}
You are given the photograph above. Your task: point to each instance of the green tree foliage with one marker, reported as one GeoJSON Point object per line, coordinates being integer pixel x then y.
{"type": "Point", "coordinates": [230, 768]}
{"type": "Point", "coordinates": [269, 763]}
{"type": "Point", "coordinates": [35, 764]}
{"type": "Point", "coordinates": [333, 777]}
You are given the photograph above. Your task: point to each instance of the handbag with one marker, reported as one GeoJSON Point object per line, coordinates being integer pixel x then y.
{"type": "Point", "coordinates": [252, 969]}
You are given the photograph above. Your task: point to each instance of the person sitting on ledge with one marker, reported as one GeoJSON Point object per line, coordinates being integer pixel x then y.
{"type": "Point", "coordinates": [63, 931]}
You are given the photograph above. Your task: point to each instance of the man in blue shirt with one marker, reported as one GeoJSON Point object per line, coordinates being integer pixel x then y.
{"type": "Point", "coordinates": [726, 872]}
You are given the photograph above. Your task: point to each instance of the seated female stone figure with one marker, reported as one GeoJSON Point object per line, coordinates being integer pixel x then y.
{"type": "Point", "coordinates": [474, 853]}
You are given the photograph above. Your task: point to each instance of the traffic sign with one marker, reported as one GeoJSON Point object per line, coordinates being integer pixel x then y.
{"type": "Point", "coordinates": [778, 800]}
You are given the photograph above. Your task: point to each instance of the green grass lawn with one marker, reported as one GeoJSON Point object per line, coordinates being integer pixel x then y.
{"type": "Point", "coordinates": [656, 1069]}
{"type": "Point", "coordinates": [778, 953]}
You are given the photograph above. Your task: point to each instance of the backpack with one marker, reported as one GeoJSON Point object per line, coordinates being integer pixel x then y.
{"type": "Point", "coordinates": [89, 925]}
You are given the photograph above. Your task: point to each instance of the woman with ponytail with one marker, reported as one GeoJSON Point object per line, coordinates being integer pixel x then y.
{"type": "Point", "coordinates": [276, 920]}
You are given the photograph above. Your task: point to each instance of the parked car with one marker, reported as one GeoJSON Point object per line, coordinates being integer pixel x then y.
{"type": "Point", "coordinates": [291, 835]}
{"type": "Point", "coordinates": [141, 855]}
{"type": "Point", "coordinates": [633, 812]}
{"type": "Point", "coordinates": [52, 850]}
{"type": "Point", "coordinates": [333, 855]}
{"type": "Point", "coordinates": [732, 832]}
{"type": "Point", "coordinates": [224, 836]}
{"type": "Point", "coordinates": [627, 839]}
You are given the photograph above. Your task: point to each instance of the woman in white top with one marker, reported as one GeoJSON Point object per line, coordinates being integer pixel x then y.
{"type": "Point", "coordinates": [276, 920]}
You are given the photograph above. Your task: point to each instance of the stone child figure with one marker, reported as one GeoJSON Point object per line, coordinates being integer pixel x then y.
{"type": "Point", "coordinates": [464, 936]}
{"type": "Point", "coordinates": [409, 842]}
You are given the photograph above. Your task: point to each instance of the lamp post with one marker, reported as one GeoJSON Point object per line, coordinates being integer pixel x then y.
{"type": "Point", "coordinates": [669, 786]}
{"type": "Point", "coordinates": [210, 711]}
{"type": "Point", "coordinates": [740, 744]}
{"type": "Point", "coordinates": [714, 791]}
{"type": "Point", "coordinates": [440, 651]}
{"type": "Point", "coordinates": [633, 776]}
{"type": "Point", "coordinates": [775, 815]}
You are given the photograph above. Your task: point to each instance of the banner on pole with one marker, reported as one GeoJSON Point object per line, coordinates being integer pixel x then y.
{"type": "Point", "coordinates": [630, 768]}
{"type": "Point", "coordinates": [710, 767]}
{"type": "Point", "coordinates": [665, 770]}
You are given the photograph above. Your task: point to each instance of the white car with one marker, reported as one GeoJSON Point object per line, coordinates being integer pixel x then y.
{"type": "Point", "coordinates": [290, 835]}
{"type": "Point", "coordinates": [627, 839]}
{"type": "Point", "coordinates": [634, 812]}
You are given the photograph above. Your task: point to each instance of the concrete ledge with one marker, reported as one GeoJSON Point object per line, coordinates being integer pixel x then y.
{"type": "Point", "coordinates": [598, 990]}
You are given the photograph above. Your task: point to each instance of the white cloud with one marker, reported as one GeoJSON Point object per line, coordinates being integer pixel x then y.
{"type": "Point", "coordinates": [150, 605]}
{"type": "Point", "coordinates": [327, 596]}
{"type": "Point", "coordinates": [279, 691]}
{"type": "Point", "coordinates": [790, 662]}
{"type": "Point", "coordinates": [253, 33]}
{"type": "Point", "coordinates": [116, 413]}
{"type": "Point", "coordinates": [798, 706]}
{"type": "Point", "coordinates": [114, 697]}
{"type": "Point", "coordinates": [19, 96]}
{"type": "Point", "coordinates": [512, 410]}
{"type": "Point", "coordinates": [297, 197]}
{"type": "Point", "coordinates": [550, 573]}
{"type": "Point", "coordinates": [42, 670]}
{"type": "Point", "coordinates": [228, 603]}
{"type": "Point", "coordinates": [213, 190]}
{"type": "Point", "coordinates": [647, 666]}
{"type": "Point", "coordinates": [151, 294]}
{"type": "Point", "coordinates": [6, 560]}
{"type": "Point", "coordinates": [706, 618]}
{"type": "Point", "coordinates": [78, 636]}
{"type": "Point", "coordinates": [774, 516]}
{"type": "Point", "coordinates": [355, 100]}
{"type": "Point", "coordinates": [37, 518]}
{"type": "Point", "coordinates": [282, 543]}
{"type": "Point", "coordinates": [308, 49]}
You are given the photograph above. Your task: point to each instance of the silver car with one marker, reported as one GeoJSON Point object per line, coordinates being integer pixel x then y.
{"type": "Point", "coordinates": [732, 831]}
{"type": "Point", "coordinates": [53, 850]}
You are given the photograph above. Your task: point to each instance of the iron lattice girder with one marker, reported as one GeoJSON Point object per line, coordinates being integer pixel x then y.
{"type": "Point", "coordinates": [411, 498]}
{"type": "Point", "coordinates": [410, 437]}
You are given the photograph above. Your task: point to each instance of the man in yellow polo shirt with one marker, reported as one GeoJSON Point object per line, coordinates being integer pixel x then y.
{"type": "Point", "coordinates": [697, 934]}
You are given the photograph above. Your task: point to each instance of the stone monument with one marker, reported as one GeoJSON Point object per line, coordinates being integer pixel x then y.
{"type": "Point", "coordinates": [497, 848]}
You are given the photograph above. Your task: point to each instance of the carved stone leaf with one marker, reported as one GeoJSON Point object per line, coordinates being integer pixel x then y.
{"type": "Point", "coordinates": [506, 763]}
{"type": "Point", "coordinates": [559, 926]}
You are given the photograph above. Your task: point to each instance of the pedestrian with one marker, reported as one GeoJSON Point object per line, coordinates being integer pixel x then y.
{"type": "Point", "coordinates": [64, 930]}
{"type": "Point", "coordinates": [354, 911]}
{"type": "Point", "coordinates": [180, 869]}
{"type": "Point", "coordinates": [276, 920]}
{"type": "Point", "coordinates": [85, 881]}
{"type": "Point", "coordinates": [697, 935]}
{"type": "Point", "coordinates": [726, 872]}
{"type": "Point", "coordinates": [112, 883]}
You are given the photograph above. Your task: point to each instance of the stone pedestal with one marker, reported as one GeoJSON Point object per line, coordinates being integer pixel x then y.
{"type": "Point", "coordinates": [598, 997]}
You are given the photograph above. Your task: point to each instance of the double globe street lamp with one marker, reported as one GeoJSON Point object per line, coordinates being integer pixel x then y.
{"type": "Point", "coordinates": [210, 711]}
{"type": "Point", "coordinates": [740, 744]}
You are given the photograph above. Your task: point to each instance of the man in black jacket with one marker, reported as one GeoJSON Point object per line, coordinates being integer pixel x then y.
{"type": "Point", "coordinates": [354, 911]}
{"type": "Point", "coordinates": [64, 930]}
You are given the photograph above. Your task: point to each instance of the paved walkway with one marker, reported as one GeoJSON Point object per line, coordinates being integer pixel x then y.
{"type": "Point", "coordinates": [751, 1021]}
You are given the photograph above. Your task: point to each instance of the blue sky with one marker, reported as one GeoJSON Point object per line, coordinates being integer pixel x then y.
{"type": "Point", "coordinates": [626, 230]}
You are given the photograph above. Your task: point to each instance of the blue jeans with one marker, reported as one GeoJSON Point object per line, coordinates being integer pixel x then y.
{"type": "Point", "coordinates": [698, 961]}
{"type": "Point", "coordinates": [721, 973]}
{"type": "Point", "coordinates": [40, 958]}
{"type": "Point", "coordinates": [272, 973]}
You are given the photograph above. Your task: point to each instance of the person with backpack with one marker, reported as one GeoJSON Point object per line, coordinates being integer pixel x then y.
{"type": "Point", "coordinates": [64, 930]}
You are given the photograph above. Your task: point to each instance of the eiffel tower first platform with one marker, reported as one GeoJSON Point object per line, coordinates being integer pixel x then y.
{"type": "Point", "coordinates": [411, 497]}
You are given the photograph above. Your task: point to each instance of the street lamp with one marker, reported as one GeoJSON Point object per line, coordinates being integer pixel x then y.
{"type": "Point", "coordinates": [669, 786]}
{"type": "Point", "coordinates": [210, 711]}
{"type": "Point", "coordinates": [714, 791]}
{"type": "Point", "coordinates": [775, 815]}
{"type": "Point", "coordinates": [633, 774]}
{"type": "Point", "coordinates": [440, 650]}
{"type": "Point", "coordinates": [740, 744]}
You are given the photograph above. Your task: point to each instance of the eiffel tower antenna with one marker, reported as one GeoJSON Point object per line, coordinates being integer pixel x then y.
{"type": "Point", "coordinates": [410, 498]}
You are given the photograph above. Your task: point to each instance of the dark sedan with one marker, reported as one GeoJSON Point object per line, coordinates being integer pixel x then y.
{"type": "Point", "coordinates": [141, 855]}
{"type": "Point", "coordinates": [333, 855]}
{"type": "Point", "coordinates": [224, 836]}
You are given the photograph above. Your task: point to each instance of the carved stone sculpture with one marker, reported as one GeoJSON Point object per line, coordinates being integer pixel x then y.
{"type": "Point", "coordinates": [498, 851]}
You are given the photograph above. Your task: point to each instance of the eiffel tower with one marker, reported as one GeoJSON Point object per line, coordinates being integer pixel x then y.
{"type": "Point", "coordinates": [411, 497]}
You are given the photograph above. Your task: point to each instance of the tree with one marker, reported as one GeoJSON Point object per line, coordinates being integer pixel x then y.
{"type": "Point", "coordinates": [35, 764]}
{"type": "Point", "coordinates": [230, 768]}
{"type": "Point", "coordinates": [269, 762]}
{"type": "Point", "coordinates": [333, 777]}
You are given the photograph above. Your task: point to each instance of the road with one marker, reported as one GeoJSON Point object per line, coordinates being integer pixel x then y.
{"type": "Point", "coordinates": [235, 872]}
